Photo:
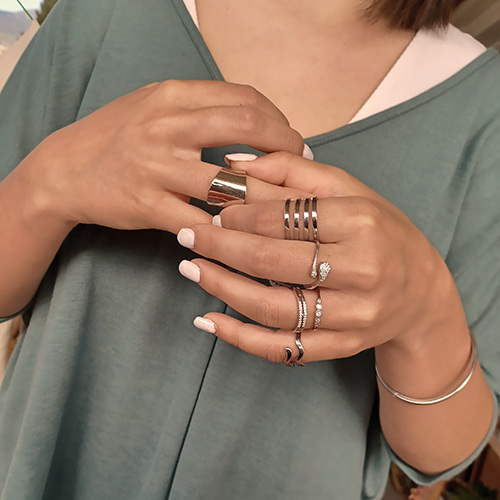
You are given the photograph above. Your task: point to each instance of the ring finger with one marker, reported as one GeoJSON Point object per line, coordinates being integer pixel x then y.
{"type": "Point", "coordinates": [276, 307]}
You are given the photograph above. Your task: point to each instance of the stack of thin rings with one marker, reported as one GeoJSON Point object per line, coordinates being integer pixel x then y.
{"type": "Point", "coordinates": [305, 228]}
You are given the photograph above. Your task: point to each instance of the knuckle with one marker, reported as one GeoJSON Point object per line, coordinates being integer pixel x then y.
{"type": "Point", "coordinates": [371, 215]}
{"type": "Point", "coordinates": [266, 312]}
{"type": "Point", "coordinates": [369, 314]}
{"type": "Point", "coordinates": [264, 221]}
{"type": "Point", "coordinates": [249, 95]}
{"type": "Point", "coordinates": [274, 353]}
{"type": "Point", "coordinates": [369, 275]}
{"type": "Point", "coordinates": [151, 85]}
{"type": "Point", "coordinates": [355, 345]}
{"type": "Point", "coordinates": [294, 142]}
{"type": "Point", "coordinates": [171, 89]}
{"type": "Point", "coordinates": [238, 340]}
{"type": "Point", "coordinates": [152, 129]}
{"type": "Point", "coordinates": [284, 157]}
{"type": "Point", "coordinates": [265, 258]}
{"type": "Point", "coordinates": [250, 120]}
{"type": "Point", "coordinates": [366, 214]}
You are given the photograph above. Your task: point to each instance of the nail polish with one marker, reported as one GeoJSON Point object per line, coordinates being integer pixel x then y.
{"type": "Point", "coordinates": [205, 324]}
{"type": "Point", "coordinates": [307, 153]}
{"type": "Point", "coordinates": [190, 270]}
{"type": "Point", "coordinates": [216, 221]}
{"type": "Point", "coordinates": [186, 237]}
{"type": "Point", "coordinates": [239, 157]}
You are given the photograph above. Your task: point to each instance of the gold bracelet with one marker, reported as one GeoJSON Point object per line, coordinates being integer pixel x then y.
{"type": "Point", "coordinates": [439, 399]}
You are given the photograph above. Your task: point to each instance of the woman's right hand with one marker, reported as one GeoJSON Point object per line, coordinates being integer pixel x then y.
{"type": "Point", "coordinates": [134, 163]}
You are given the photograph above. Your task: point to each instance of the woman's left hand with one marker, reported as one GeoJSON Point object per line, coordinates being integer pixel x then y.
{"type": "Point", "coordinates": [387, 282]}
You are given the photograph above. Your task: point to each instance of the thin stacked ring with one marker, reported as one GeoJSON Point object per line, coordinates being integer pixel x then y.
{"type": "Point", "coordinates": [305, 228]}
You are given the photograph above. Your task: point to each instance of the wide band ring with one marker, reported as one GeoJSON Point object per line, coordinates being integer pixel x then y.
{"type": "Point", "coordinates": [229, 187]}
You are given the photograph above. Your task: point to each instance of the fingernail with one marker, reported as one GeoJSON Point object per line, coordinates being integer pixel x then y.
{"type": "Point", "coordinates": [216, 221]}
{"type": "Point", "coordinates": [307, 153]}
{"type": "Point", "coordinates": [205, 324]}
{"type": "Point", "coordinates": [190, 271]}
{"type": "Point", "coordinates": [186, 237]}
{"type": "Point", "coordinates": [239, 157]}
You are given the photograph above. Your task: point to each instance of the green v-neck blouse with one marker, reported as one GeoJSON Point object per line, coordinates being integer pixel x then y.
{"type": "Point", "coordinates": [113, 394]}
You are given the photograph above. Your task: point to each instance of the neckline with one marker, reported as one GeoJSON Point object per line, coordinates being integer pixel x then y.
{"type": "Point", "coordinates": [350, 128]}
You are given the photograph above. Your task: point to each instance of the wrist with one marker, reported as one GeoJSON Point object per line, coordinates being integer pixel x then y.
{"type": "Point", "coordinates": [40, 204]}
{"type": "Point", "coordinates": [427, 363]}
{"type": "Point", "coordinates": [440, 311]}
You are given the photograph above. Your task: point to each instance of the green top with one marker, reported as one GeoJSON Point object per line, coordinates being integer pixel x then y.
{"type": "Point", "coordinates": [113, 394]}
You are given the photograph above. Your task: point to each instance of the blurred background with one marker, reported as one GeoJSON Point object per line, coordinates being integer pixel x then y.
{"type": "Point", "coordinates": [14, 21]}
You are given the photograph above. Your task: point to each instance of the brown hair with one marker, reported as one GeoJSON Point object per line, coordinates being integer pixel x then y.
{"type": "Point", "coordinates": [412, 14]}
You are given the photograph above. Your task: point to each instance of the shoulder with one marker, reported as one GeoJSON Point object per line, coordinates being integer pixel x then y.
{"type": "Point", "coordinates": [72, 18]}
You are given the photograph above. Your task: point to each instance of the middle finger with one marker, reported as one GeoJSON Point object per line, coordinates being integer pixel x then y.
{"type": "Point", "coordinates": [279, 260]}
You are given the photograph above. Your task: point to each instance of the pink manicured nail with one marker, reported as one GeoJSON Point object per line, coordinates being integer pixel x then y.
{"type": "Point", "coordinates": [239, 157]}
{"type": "Point", "coordinates": [190, 271]}
{"type": "Point", "coordinates": [205, 324]}
{"type": "Point", "coordinates": [307, 153]}
{"type": "Point", "coordinates": [186, 237]}
{"type": "Point", "coordinates": [216, 221]}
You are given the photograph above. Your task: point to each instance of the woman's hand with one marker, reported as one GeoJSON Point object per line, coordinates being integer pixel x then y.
{"type": "Point", "coordinates": [387, 281]}
{"type": "Point", "coordinates": [388, 289]}
{"type": "Point", "coordinates": [135, 162]}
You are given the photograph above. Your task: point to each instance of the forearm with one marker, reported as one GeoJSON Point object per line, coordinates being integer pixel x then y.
{"type": "Point", "coordinates": [433, 438]}
{"type": "Point", "coordinates": [31, 236]}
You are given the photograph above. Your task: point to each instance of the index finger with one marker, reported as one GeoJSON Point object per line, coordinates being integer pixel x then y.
{"type": "Point", "coordinates": [194, 94]}
{"type": "Point", "coordinates": [336, 216]}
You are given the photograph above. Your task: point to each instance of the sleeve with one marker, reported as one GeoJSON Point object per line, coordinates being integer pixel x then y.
{"type": "Point", "coordinates": [44, 92]}
{"type": "Point", "coordinates": [474, 262]}
{"type": "Point", "coordinates": [45, 89]}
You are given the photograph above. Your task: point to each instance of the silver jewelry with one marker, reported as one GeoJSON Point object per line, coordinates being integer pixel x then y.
{"type": "Point", "coordinates": [314, 268]}
{"type": "Point", "coordinates": [318, 311]}
{"type": "Point", "coordinates": [229, 187]}
{"type": "Point", "coordinates": [301, 301]}
{"type": "Point", "coordinates": [314, 217]}
{"type": "Point", "coordinates": [305, 219]}
{"type": "Point", "coordinates": [321, 274]}
{"type": "Point", "coordinates": [296, 220]}
{"type": "Point", "coordinates": [301, 323]}
{"type": "Point", "coordinates": [286, 217]}
{"type": "Point", "coordinates": [288, 357]}
{"type": "Point", "coordinates": [439, 399]}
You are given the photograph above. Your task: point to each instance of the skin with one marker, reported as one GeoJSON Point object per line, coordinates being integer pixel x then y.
{"type": "Point", "coordinates": [389, 290]}
{"type": "Point", "coordinates": [410, 311]}
{"type": "Point", "coordinates": [152, 160]}
{"type": "Point", "coordinates": [317, 61]}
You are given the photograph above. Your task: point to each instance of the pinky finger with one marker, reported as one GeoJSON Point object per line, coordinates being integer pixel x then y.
{"type": "Point", "coordinates": [253, 339]}
{"type": "Point", "coordinates": [271, 344]}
